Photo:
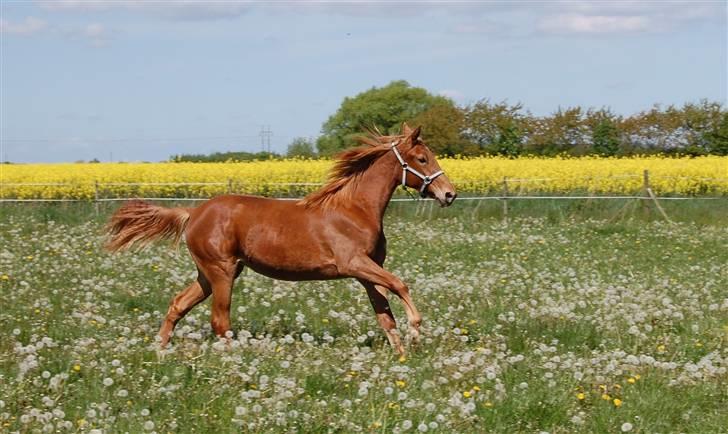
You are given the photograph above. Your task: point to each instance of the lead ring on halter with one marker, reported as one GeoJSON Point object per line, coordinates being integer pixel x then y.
{"type": "Point", "coordinates": [426, 179]}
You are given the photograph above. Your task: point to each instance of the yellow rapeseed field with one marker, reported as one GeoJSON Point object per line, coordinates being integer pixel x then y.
{"type": "Point", "coordinates": [295, 177]}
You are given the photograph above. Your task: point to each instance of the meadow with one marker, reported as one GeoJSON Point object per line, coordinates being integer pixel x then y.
{"type": "Point", "coordinates": [565, 318]}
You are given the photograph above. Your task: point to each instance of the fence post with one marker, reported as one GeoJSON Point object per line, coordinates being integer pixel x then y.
{"type": "Point", "coordinates": [651, 195]}
{"type": "Point", "coordinates": [230, 186]}
{"type": "Point", "coordinates": [96, 197]}
{"type": "Point", "coordinates": [505, 199]}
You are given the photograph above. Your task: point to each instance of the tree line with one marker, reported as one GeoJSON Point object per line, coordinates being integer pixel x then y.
{"type": "Point", "coordinates": [502, 128]}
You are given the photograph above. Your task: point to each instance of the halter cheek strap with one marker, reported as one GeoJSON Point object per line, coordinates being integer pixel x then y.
{"type": "Point", "coordinates": [426, 179]}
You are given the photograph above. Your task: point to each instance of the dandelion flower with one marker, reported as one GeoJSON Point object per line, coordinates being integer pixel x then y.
{"type": "Point", "coordinates": [626, 427]}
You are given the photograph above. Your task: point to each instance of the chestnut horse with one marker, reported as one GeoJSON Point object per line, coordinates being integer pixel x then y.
{"type": "Point", "coordinates": [335, 232]}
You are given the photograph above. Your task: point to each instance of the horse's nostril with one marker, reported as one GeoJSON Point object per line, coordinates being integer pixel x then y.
{"type": "Point", "coordinates": [448, 194]}
{"type": "Point", "coordinates": [450, 197]}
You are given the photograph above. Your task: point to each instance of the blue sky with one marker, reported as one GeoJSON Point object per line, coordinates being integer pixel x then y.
{"type": "Point", "coordinates": [138, 80]}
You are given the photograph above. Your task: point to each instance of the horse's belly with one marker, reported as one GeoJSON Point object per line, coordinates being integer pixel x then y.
{"type": "Point", "coordinates": [287, 256]}
{"type": "Point", "coordinates": [289, 272]}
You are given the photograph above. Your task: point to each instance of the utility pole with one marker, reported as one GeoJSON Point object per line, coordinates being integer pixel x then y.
{"type": "Point", "coordinates": [265, 134]}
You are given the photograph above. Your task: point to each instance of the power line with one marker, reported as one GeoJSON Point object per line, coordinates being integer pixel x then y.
{"type": "Point", "coordinates": [265, 135]}
{"type": "Point", "coordinates": [130, 139]}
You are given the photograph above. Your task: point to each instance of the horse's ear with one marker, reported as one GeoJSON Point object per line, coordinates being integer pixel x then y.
{"type": "Point", "coordinates": [406, 130]}
{"type": "Point", "coordinates": [415, 134]}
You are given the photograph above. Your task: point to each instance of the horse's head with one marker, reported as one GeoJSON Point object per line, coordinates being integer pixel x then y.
{"type": "Point", "coordinates": [421, 170]}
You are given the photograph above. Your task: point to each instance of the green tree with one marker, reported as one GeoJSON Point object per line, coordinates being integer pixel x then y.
{"type": "Point", "coordinates": [442, 126]}
{"type": "Point", "coordinates": [385, 108]}
{"type": "Point", "coordinates": [605, 132]}
{"type": "Point", "coordinates": [563, 132]}
{"type": "Point", "coordinates": [496, 128]}
{"type": "Point", "coordinates": [717, 139]}
{"type": "Point", "coordinates": [301, 147]}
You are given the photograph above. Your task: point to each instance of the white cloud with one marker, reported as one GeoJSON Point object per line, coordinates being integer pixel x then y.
{"type": "Point", "coordinates": [30, 26]}
{"type": "Point", "coordinates": [476, 27]}
{"type": "Point", "coordinates": [96, 34]}
{"type": "Point", "coordinates": [580, 23]}
{"type": "Point", "coordinates": [185, 10]}
{"type": "Point", "coordinates": [452, 94]}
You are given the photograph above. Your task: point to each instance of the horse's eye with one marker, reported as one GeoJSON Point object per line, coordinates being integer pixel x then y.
{"type": "Point", "coordinates": [422, 160]}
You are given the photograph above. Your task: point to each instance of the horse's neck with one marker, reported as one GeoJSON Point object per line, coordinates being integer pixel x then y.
{"type": "Point", "coordinates": [376, 186]}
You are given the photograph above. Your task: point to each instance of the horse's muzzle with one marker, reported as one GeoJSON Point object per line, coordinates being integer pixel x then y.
{"type": "Point", "coordinates": [450, 197]}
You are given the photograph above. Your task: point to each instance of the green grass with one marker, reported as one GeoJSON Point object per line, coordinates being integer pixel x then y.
{"type": "Point", "coordinates": [519, 318]}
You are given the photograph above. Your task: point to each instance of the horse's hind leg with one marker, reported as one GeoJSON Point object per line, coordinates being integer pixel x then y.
{"type": "Point", "coordinates": [378, 298]}
{"type": "Point", "coordinates": [182, 303]}
{"type": "Point", "coordinates": [220, 278]}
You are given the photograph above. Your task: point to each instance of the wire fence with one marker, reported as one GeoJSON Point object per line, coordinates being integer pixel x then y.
{"type": "Point", "coordinates": [510, 189]}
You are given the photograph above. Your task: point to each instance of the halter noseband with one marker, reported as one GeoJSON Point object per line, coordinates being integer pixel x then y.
{"type": "Point", "coordinates": [426, 179]}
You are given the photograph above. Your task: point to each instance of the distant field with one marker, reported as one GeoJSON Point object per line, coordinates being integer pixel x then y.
{"type": "Point", "coordinates": [557, 323]}
{"type": "Point", "coordinates": [668, 176]}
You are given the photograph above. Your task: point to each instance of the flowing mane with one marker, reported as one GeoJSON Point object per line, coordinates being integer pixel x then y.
{"type": "Point", "coordinates": [350, 165]}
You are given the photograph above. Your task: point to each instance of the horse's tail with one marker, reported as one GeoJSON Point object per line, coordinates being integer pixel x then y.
{"type": "Point", "coordinates": [140, 223]}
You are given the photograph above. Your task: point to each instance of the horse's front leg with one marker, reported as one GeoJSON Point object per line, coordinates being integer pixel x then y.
{"type": "Point", "coordinates": [366, 269]}
{"type": "Point", "coordinates": [385, 318]}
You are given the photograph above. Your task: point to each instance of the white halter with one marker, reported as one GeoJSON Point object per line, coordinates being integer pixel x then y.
{"type": "Point", "coordinates": [426, 179]}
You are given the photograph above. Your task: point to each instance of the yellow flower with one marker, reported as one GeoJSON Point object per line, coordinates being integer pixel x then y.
{"type": "Point", "coordinates": [5, 277]}
{"type": "Point", "coordinates": [631, 380]}
{"type": "Point", "coordinates": [76, 368]}
{"type": "Point", "coordinates": [81, 422]}
{"type": "Point", "coordinates": [402, 359]}
{"type": "Point", "coordinates": [660, 348]}
{"type": "Point", "coordinates": [617, 402]}
{"type": "Point", "coordinates": [606, 397]}
{"type": "Point", "coordinates": [637, 376]}
{"type": "Point", "coordinates": [580, 396]}
{"type": "Point", "coordinates": [400, 383]}
{"type": "Point", "coordinates": [393, 405]}
{"type": "Point", "coordinates": [592, 174]}
{"type": "Point", "coordinates": [325, 320]}
{"type": "Point", "coordinates": [467, 394]}
{"type": "Point", "coordinates": [487, 404]}
{"type": "Point", "coordinates": [476, 388]}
